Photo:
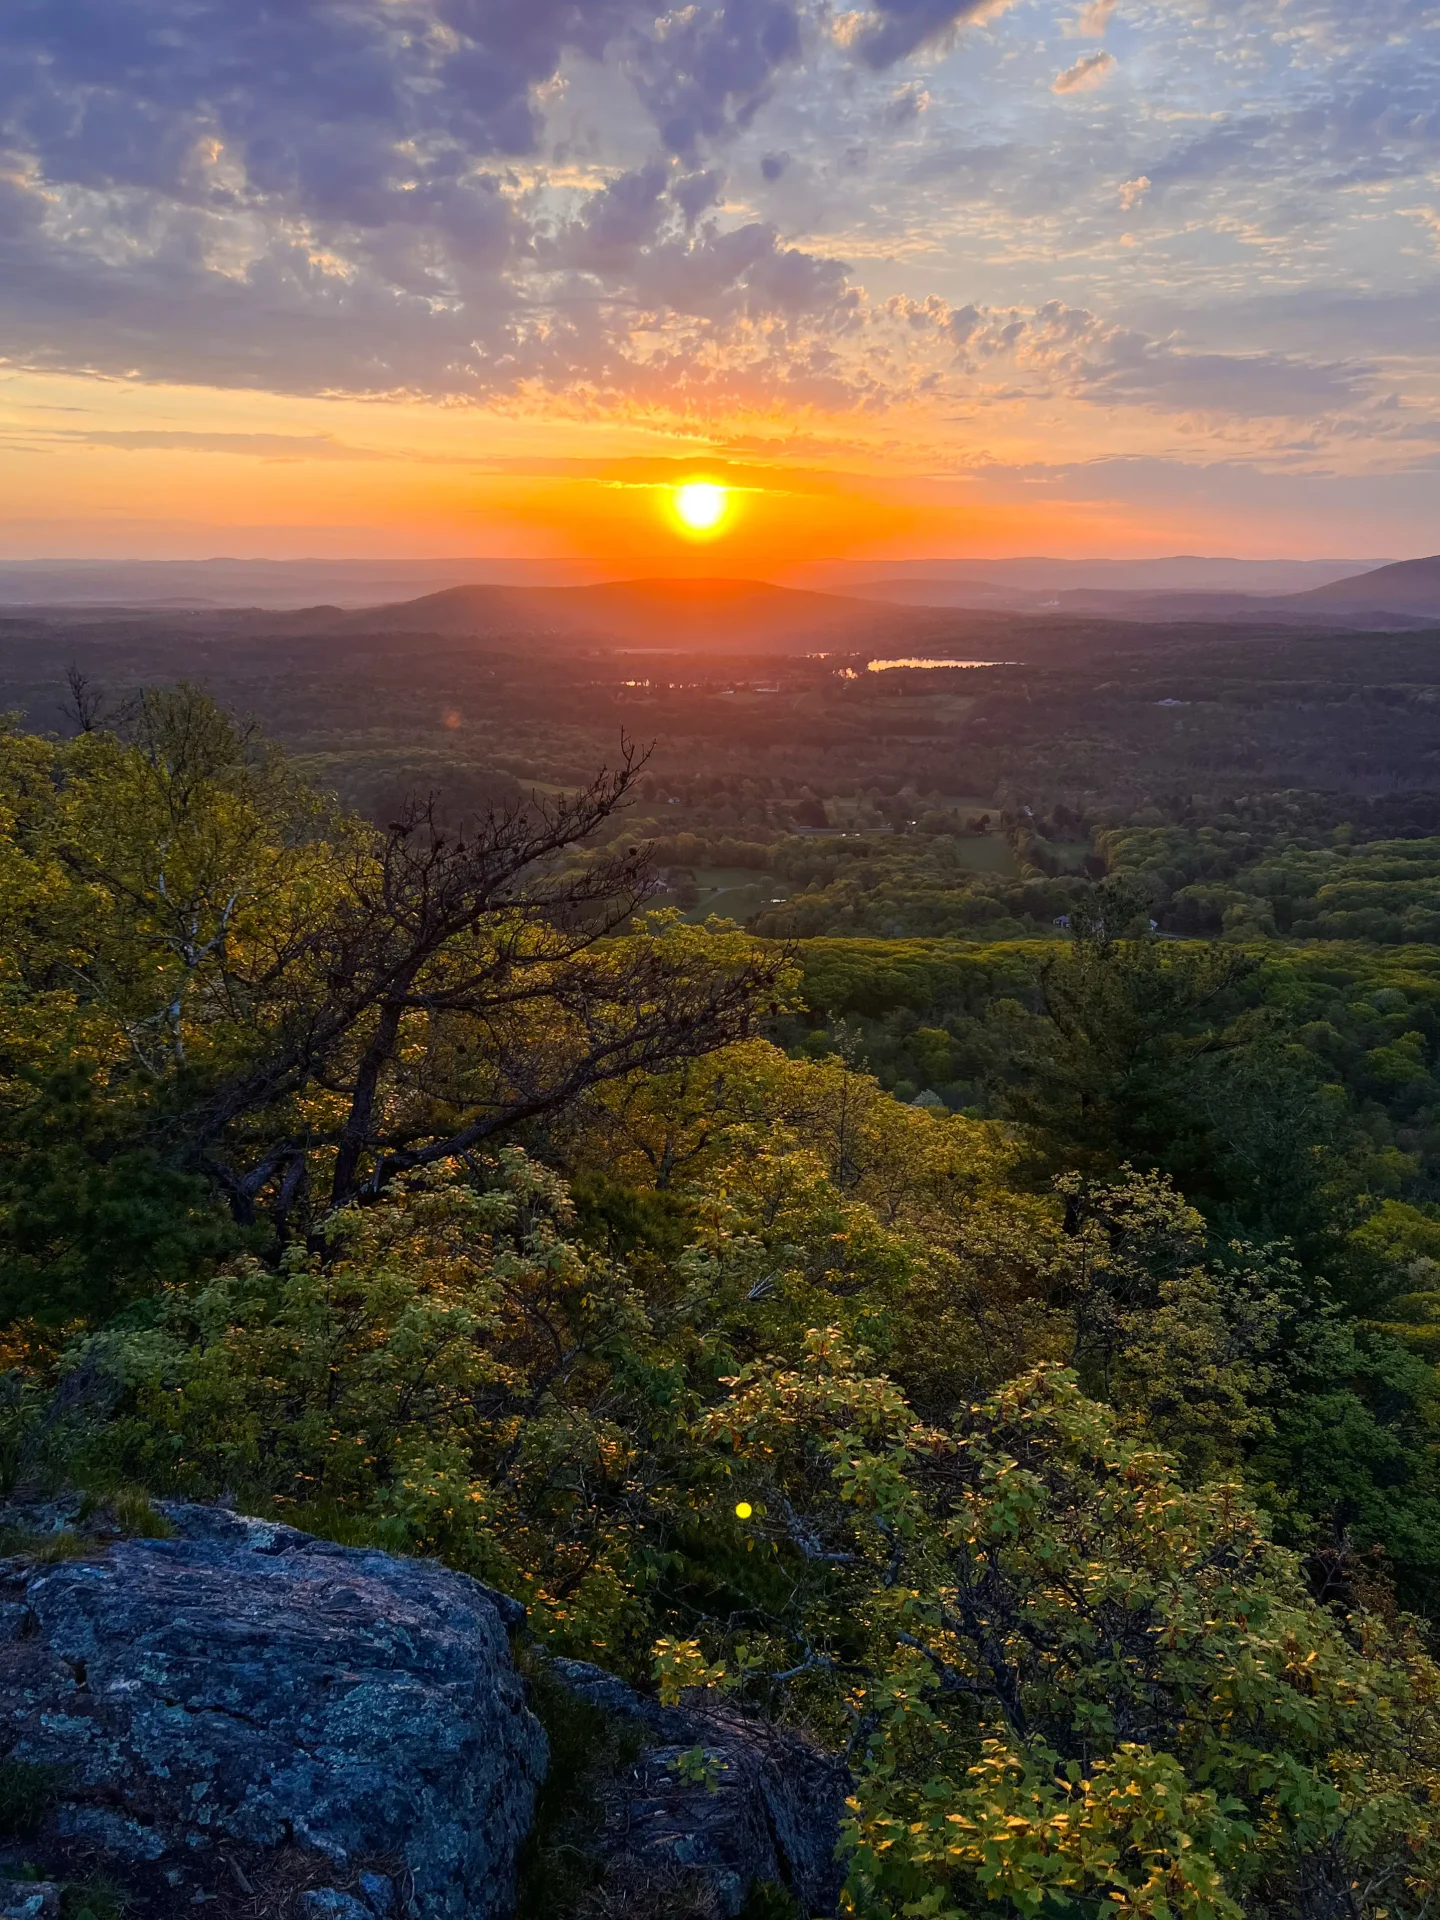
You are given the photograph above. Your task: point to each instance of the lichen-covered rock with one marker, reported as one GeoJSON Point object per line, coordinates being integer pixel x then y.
{"type": "Point", "coordinates": [30, 1900]}
{"type": "Point", "coordinates": [245, 1687]}
{"type": "Point", "coordinates": [717, 1803]}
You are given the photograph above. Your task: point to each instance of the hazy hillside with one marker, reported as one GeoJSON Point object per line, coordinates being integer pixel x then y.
{"type": "Point", "coordinates": [933, 590]}
{"type": "Point", "coordinates": [1400, 594]}
{"type": "Point", "coordinates": [355, 583]}
{"type": "Point", "coordinates": [1409, 586]}
{"type": "Point", "coordinates": [232, 582]}
{"type": "Point", "coordinates": [708, 614]}
{"type": "Point", "coordinates": [1044, 575]}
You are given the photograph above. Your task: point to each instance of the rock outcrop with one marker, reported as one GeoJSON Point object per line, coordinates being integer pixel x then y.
{"type": "Point", "coordinates": [247, 1719]}
{"type": "Point", "coordinates": [243, 1700]}
{"type": "Point", "coordinates": [715, 1804]}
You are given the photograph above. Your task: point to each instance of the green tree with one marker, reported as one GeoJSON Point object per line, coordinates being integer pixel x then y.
{"type": "Point", "coordinates": [255, 993]}
{"type": "Point", "coordinates": [1148, 1052]}
{"type": "Point", "coordinates": [1069, 1679]}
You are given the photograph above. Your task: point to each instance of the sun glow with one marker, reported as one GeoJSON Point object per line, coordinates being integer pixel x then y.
{"type": "Point", "coordinates": [701, 506]}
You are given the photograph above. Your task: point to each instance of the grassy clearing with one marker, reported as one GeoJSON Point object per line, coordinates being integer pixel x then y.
{"type": "Point", "coordinates": [734, 892]}
{"type": "Point", "coordinates": [986, 853]}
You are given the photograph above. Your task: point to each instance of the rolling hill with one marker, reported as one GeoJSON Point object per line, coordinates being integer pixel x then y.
{"type": "Point", "coordinates": [1403, 593]}
{"type": "Point", "coordinates": [686, 615]}
{"type": "Point", "coordinates": [1409, 586]}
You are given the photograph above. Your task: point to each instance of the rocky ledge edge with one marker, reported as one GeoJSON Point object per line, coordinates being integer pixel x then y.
{"type": "Point", "coordinates": [247, 1718]}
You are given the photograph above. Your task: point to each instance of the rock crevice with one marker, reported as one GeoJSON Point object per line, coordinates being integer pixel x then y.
{"type": "Point", "coordinates": [716, 1799]}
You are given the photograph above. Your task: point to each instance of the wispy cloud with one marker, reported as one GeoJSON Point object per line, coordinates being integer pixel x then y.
{"type": "Point", "coordinates": [894, 29]}
{"type": "Point", "coordinates": [257, 446]}
{"type": "Point", "coordinates": [1098, 361]}
{"type": "Point", "coordinates": [1092, 20]}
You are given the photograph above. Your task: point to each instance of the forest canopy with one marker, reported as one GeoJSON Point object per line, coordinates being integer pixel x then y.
{"type": "Point", "coordinates": [1058, 1440]}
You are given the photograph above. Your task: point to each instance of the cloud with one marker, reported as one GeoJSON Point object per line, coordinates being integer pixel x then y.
{"type": "Point", "coordinates": [535, 198]}
{"type": "Point", "coordinates": [894, 29]}
{"type": "Point", "coordinates": [613, 225]}
{"type": "Point", "coordinates": [1106, 364]}
{"type": "Point", "coordinates": [1129, 368]}
{"type": "Point", "coordinates": [259, 446]}
{"type": "Point", "coordinates": [319, 196]}
{"type": "Point", "coordinates": [980, 169]}
{"type": "Point", "coordinates": [1092, 20]}
{"type": "Point", "coordinates": [1089, 72]}
{"type": "Point", "coordinates": [366, 111]}
{"type": "Point", "coordinates": [1368, 115]}
{"type": "Point", "coordinates": [696, 193]}
{"type": "Point", "coordinates": [905, 106]}
{"type": "Point", "coordinates": [724, 276]}
{"type": "Point", "coordinates": [713, 68]}
{"type": "Point", "coordinates": [646, 470]}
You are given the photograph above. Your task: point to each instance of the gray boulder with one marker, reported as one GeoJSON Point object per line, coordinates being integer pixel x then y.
{"type": "Point", "coordinates": [244, 1692]}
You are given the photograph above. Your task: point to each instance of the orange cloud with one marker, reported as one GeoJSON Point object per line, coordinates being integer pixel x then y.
{"type": "Point", "coordinates": [1088, 73]}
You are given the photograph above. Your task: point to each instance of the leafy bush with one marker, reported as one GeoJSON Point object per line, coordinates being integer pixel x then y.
{"type": "Point", "coordinates": [1071, 1679]}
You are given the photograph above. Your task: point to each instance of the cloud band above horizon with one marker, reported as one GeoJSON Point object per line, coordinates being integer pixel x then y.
{"type": "Point", "coordinates": [934, 228]}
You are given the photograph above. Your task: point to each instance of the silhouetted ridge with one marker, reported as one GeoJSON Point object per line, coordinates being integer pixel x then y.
{"type": "Point", "coordinates": [1409, 586]}
{"type": "Point", "coordinates": [684, 613]}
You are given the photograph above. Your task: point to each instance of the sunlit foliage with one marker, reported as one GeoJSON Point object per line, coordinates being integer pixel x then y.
{"type": "Point", "coordinates": [1069, 1462]}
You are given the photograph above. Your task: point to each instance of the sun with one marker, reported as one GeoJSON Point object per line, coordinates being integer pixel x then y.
{"type": "Point", "coordinates": [700, 505]}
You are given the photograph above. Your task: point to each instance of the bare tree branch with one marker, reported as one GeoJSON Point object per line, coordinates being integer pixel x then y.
{"type": "Point", "coordinates": [466, 981]}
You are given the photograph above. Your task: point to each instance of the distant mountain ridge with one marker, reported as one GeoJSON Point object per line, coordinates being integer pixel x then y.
{"type": "Point", "coordinates": [664, 614]}
{"type": "Point", "coordinates": [574, 601]}
{"type": "Point", "coordinates": [283, 585]}
{"type": "Point", "coordinates": [1406, 586]}
{"type": "Point", "coordinates": [1039, 574]}
{"type": "Point", "coordinates": [1405, 592]}
{"type": "Point", "coordinates": [222, 581]}
{"type": "Point", "coordinates": [706, 614]}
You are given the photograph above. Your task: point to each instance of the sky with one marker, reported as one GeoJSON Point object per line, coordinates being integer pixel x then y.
{"type": "Point", "coordinates": [492, 276]}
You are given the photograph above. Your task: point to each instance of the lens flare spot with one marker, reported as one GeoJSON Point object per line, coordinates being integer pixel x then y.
{"type": "Point", "coordinates": [743, 1509]}
{"type": "Point", "coordinates": [700, 505]}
